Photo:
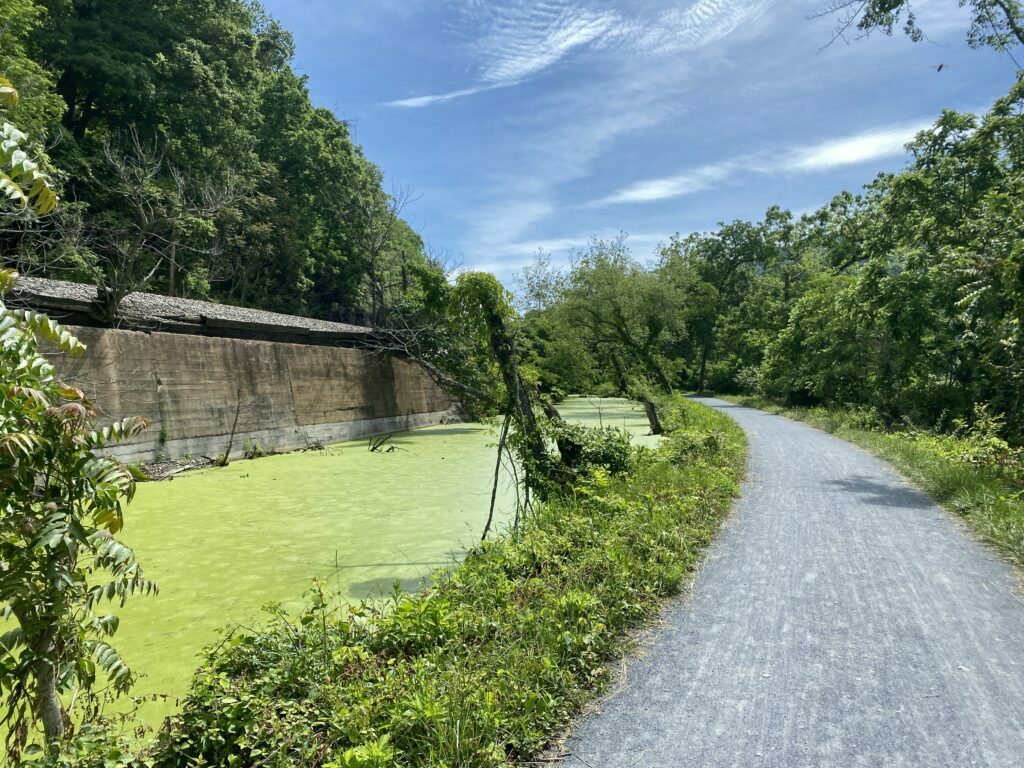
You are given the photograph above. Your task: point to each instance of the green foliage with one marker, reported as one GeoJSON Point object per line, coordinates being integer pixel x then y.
{"type": "Point", "coordinates": [22, 183]}
{"type": "Point", "coordinates": [60, 505]}
{"type": "Point", "coordinates": [593, 449]}
{"type": "Point", "coordinates": [907, 300]}
{"type": "Point", "coordinates": [296, 218]}
{"type": "Point", "coordinates": [25, 82]}
{"type": "Point", "coordinates": [490, 664]}
{"type": "Point", "coordinates": [995, 23]}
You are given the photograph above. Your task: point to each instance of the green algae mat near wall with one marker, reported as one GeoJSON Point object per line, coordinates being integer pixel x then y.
{"type": "Point", "coordinates": [222, 543]}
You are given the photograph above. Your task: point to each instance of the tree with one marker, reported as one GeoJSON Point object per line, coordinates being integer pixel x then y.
{"type": "Point", "coordinates": [160, 212]}
{"type": "Point", "coordinates": [210, 82]}
{"type": "Point", "coordinates": [485, 305]}
{"type": "Point", "coordinates": [60, 507]}
{"type": "Point", "coordinates": [628, 312]}
{"type": "Point", "coordinates": [24, 81]}
{"type": "Point", "coordinates": [381, 233]}
{"type": "Point", "coordinates": [998, 24]}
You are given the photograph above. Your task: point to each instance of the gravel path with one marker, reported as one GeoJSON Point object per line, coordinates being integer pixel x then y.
{"type": "Point", "coordinates": [842, 619]}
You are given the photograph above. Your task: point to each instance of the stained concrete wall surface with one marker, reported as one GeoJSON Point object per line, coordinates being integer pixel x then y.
{"type": "Point", "coordinates": [195, 389]}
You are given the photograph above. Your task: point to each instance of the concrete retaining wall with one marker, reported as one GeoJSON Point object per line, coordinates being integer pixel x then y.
{"type": "Point", "coordinates": [285, 396]}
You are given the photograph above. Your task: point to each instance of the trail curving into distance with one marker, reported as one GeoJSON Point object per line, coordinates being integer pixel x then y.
{"type": "Point", "coordinates": [842, 619]}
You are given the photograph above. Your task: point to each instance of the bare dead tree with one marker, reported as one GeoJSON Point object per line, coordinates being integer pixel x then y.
{"type": "Point", "coordinates": [160, 205]}
{"type": "Point", "coordinates": [848, 13]}
{"type": "Point", "coordinates": [243, 412]}
{"type": "Point", "coordinates": [387, 269]}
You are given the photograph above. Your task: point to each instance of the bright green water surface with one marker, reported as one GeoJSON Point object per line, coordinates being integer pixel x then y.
{"type": "Point", "coordinates": [224, 542]}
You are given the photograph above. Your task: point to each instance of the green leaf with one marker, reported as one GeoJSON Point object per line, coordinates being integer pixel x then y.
{"type": "Point", "coordinates": [118, 432]}
{"type": "Point", "coordinates": [8, 94]}
{"type": "Point", "coordinates": [21, 444]}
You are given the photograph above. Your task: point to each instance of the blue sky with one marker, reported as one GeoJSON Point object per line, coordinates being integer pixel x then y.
{"type": "Point", "coordinates": [533, 124]}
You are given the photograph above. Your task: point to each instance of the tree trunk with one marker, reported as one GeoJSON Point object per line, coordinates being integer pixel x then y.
{"type": "Point", "coordinates": [702, 378]}
{"type": "Point", "coordinates": [172, 272]}
{"type": "Point", "coordinates": [504, 352]}
{"type": "Point", "coordinates": [47, 704]}
{"type": "Point", "coordinates": [652, 416]}
{"type": "Point", "coordinates": [659, 374]}
{"type": "Point", "coordinates": [108, 302]}
{"type": "Point", "coordinates": [620, 374]}
{"type": "Point", "coordinates": [226, 459]}
{"type": "Point", "coordinates": [1011, 21]}
{"type": "Point", "coordinates": [43, 647]}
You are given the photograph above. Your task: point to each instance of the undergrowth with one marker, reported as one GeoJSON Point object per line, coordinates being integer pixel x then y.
{"type": "Point", "coordinates": [493, 662]}
{"type": "Point", "coordinates": [971, 470]}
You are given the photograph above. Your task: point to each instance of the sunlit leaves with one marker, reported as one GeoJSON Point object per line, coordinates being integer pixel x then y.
{"type": "Point", "coordinates": [109, 660]}
{"type": "Point", "coordinates": [117, 432]}
{"type": "Point", "coordinates": [8, 94]}
{"type": "Point", "coordinates": [21, 180]}
{"type": "Point", "coordinates": [49, 329]}
{"type": "Point", "coordinates": [8, 277]}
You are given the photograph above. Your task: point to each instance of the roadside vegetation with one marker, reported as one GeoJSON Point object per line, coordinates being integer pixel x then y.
{"type": "Point", "coordinates": [971, 471]}
{"type": "Point", "coordinates": [492, 663]}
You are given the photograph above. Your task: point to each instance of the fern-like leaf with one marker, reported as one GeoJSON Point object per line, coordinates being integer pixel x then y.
{"type": "Point", "coordinates": [118, 432]}
{"type": "Point", "coordinates": [21, 444]}
{"type": "Point", "coordinates": [50, 330]}
{"type": "Point", "coordinates": [113, 666]}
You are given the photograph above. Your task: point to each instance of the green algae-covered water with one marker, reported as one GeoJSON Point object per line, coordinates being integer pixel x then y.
{"type": "Point", "coordinates": [224, 542]}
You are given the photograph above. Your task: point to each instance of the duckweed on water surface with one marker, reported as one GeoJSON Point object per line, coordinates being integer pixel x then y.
{"type": "Point", "coordinates": [224, 542]}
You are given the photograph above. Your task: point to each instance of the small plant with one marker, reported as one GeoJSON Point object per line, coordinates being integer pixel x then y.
{"type": "Point", "coordinates": [253, 449]}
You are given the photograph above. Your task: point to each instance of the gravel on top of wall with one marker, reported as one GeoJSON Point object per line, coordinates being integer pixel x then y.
{"type": "Point", "coordinates": [150, 307]}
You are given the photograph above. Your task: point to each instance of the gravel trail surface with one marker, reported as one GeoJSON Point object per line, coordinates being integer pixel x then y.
{"type": "Point", "coordinates": [842, 619]}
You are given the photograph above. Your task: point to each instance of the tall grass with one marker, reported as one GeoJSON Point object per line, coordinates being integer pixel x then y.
{"type": "Point", "coordinates": [967, 475]}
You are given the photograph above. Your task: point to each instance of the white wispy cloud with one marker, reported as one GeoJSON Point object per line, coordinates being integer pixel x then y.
{"type": "Point", "coordinates": [688, 183]}
{"type": "Point", "coordinates": [874, 144]}
{"type": "Point", "coordinates": [522, 39]}
{"type": "Point", "coordinates": [599, 116]}
{"type": "Point", "coordinates": [699, 24]}
{"type": "Point", "coordinates": [870, 145]}
{"type": "Point", "coordinates": [528, 38]}
{"type": "Point", "coordinates": [439, 98]}
{"type": "Point", "coordinates": [515, 255]}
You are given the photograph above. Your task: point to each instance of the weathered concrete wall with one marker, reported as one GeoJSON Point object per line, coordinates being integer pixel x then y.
{"type": "Point", "coordinates": [285, 396]}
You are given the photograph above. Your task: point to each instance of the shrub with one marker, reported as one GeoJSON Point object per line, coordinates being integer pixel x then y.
{"type": "Point", "coordinates": [60, 508]}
